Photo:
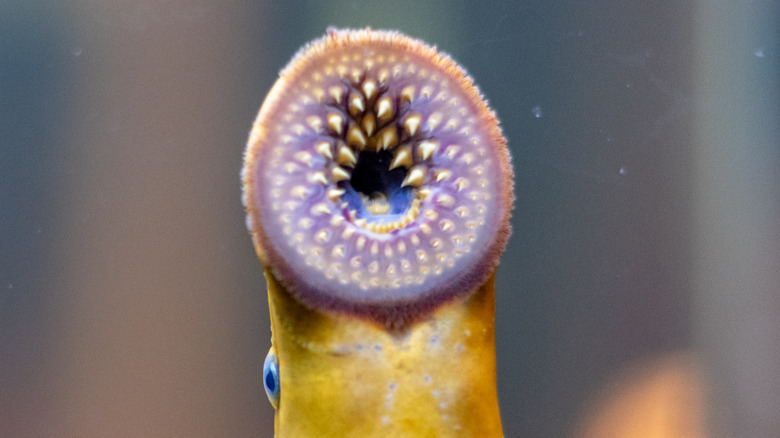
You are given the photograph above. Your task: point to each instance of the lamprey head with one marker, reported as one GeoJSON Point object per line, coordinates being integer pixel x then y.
{"type": "Point", "coordinates": [378, 189]}
{"type": "Point", "coordinates": [377, 182]}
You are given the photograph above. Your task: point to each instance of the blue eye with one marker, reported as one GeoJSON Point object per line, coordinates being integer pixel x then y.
{"type": "Point", "coordinates": [271, 378]}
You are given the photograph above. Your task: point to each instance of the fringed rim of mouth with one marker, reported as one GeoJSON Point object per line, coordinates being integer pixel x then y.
{"type": "Point", "coordinates": [406, 203]}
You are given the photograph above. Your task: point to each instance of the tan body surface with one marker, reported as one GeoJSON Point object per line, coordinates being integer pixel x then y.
{"type": "Point", "coordinates": [378, 190]}
{"type": "Point", "coordinates": [341, 376]}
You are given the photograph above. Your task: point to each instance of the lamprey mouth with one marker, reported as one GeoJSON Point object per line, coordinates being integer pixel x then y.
{"type": "Point", "coordinates": [376, 178]}
{"type": "Point", "coordinates": [379, 195]}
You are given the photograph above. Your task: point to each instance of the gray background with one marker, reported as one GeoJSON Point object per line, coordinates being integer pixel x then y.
{"type": "Point", "coordinates": [131, 301]}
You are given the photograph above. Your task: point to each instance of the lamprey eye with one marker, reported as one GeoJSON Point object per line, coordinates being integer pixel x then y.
{"type": "Point", "coordinates": [271, 378]}
{"type": "Point", "coordinates": [376, 178]}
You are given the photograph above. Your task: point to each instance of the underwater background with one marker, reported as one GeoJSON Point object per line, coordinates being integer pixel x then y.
{"type": "Point", "coordinates": [642, 277]}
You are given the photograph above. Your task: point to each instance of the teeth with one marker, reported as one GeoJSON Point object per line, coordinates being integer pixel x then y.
{"type": "Point", "coordinates": [318, 177]}
{"type": "Point", "coordinates": [298, 192]}
{"type": "Point", "coordinates": [414, 177]}
{"type": "Point", "coordinates": [376, 205]}
{"type": "Point", "coordinates": [319, 94]}
{"type": "Point", "coordinates": [383, 75]}
{"type": "Point", "coordinates": [303, 157]}
{"type": "Point", "coordinates": [323, 148]}
{"type": "Point", "coordinates": [433, 121]}
{"type": "Point", "coordinates": [335, 123]}
{"type": "Point", "coordinates": [411, 124]}
{"type": "Point", "coordinates": [426, 91]}
{"type": "Point", "coordinates": [387, 227]}
{"type": "Point", "coordinates": [348, 232]}
{"type": "Point", "coordinates": [382, 228]}
{"type": "Point", "coordinates": [356, 105]}
{"type": "Point", "coordinates": [368, 124]}
{"type": "Point", "coordinates": [335, 194]}
{"type": "Point", "coordinates": [426, 148]}
{"type": "Point", "coordinates": [407, 94]}
{"type": "Point", "coordinates": [446, 200]}
{"type": "Point", "coordinates": [415, 208]}
{"type": "Point", "coordinates": [320, 209]}
{"type": "Point", "coordinates": [369, 88]}
{"type": "Point", "coordinates": [452, 151]}
{"type": "Point", "coordinates": [441, 175]}
{"type": "Point", "coordinates": [403, 157]}
{"type": "Point", "coordinates": [388, 138]}
{"type": "Point", "coordinates": [355, 137]}
{"type": "Point", "coordinates": [336, 93]}
{"type": "Point", "coordinates": [461, 183]}
{"type": "Point", "coordinates": [355, 75]}
{"type": "Point", "coordinates": [378, 208]}
{"type": "Point", "coordinates": [339, 174]}
{"type": "Point", "coordinates": [346, 157]}
{"type": "Point", "coordinates": [384, 109]}
{"type": "Point", "coordinates": [315, 123]}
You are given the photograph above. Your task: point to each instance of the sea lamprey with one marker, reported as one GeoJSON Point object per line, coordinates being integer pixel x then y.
{"type": "Point", "coordinates": [378, 191]}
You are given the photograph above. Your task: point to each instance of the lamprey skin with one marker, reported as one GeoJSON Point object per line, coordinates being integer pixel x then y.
{"type": "Point", "coordinates": [343, 377]}
{"type": "Point", "coordinates": [376, 179]}
{"type": "Point", "coordinates": [378, 190]}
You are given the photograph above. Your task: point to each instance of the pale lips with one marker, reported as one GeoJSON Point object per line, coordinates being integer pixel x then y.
{"type": "Point", "coordinates": [379, 179]}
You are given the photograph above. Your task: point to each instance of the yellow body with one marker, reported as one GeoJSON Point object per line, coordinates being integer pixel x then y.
{"type": "Point", "coordinates": [342, 376]}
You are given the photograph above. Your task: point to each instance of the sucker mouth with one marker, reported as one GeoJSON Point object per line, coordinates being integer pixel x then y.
{"type": "Point", "coordinates": [381, 157]}
{"type": "Point", "coordinates": [377, 174]}
{"type": "Point", "coordinates": [376, 204]}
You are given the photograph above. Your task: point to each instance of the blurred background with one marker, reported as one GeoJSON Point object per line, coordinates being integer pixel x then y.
{"type": "Point", "coordinates": [640, 292]}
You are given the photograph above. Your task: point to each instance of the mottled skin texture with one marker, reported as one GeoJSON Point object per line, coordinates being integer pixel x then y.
{"type": "Point", "coordinates": [378, 190]}
{"type": "Point", "coordinates": [347, 377]}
